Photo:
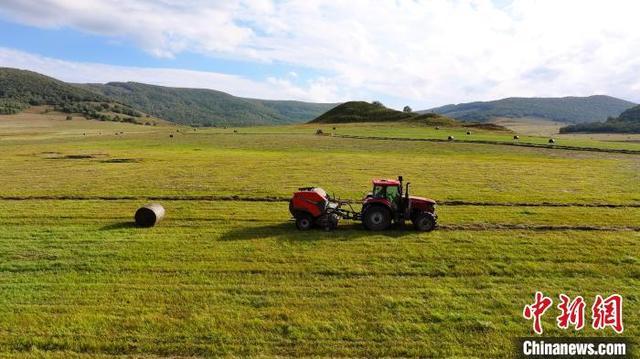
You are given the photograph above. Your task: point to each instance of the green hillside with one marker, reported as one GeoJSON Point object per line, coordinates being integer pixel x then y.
{"type": "Point", "coordinates": [20, 89]}
{"type": "Point", "coordinates": [565, 109]}
{"type": "Point", "coordinates": [202, 107]}
{"type": "Point", "coordinates": [360, 111]}
{"type": "Point", "coordinates": [627, 122]}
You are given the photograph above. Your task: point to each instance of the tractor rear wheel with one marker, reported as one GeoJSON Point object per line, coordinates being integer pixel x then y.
{"type": "Point", "coordinates": [376, 218]}
{"type": "Point", "coordinates": [304, 222]}
{"type": "Point", "coordinates": [424, 222]}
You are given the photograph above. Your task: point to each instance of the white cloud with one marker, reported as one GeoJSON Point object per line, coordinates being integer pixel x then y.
{"type": "Point", "coordinates": [425, 52]}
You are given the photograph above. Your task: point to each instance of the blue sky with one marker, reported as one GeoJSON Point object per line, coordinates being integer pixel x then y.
{"type": "Point", "coordinates": [421, 53]}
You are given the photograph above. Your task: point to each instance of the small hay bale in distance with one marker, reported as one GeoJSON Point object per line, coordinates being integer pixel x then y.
{"type": "Point", "coordinates": [451, 138]}
{"type": "Point", "coordinates": [170, 136]}
{"type": "Point", "coordinates": [334, 128]}
{"type": "Point", "coordinates": [149, 215]}
{"type": "Point", "coordinates": [468, 132]}
{"type": "Point", "coordinates": [437, 128]}
{"type": "Point", "coordinates": [235, 131]}
{"type": "Point", "coordinates": [319, 132]}
{"type": "Point", "coordinates": [516, 137]}
{"type": "Point", "coordinates": [551, 140]}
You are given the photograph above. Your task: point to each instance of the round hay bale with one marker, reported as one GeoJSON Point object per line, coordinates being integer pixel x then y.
{"type": "Point", "coordinates": [468, 132]}
{"type": "Point", "coordinates": [149, 215]}
{"type": "Point", "coordinates": [437, 128]}
{"type": "Point", "coordinates": [235, 131]}
{"type": "Point", "coordinates": [170, 136]}
{"type": "Point", "coordinates": [334, 128]}
{"type": "Point", "coordinates": [551, 140]}
{"type": "Point", "coordinates": [451, 138]}
{"type": "Point", "coordinates": [319, 132]}
{"type": "Point", "coordinates": [516, 137]}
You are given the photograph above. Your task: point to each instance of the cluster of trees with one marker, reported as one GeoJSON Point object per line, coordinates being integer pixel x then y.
{"type": "Point", "coordinates": [9, 107]}
{"type": "Point", "coordinates": [96, 111]}
{"type": "Point", "coordinates": [627, 122]}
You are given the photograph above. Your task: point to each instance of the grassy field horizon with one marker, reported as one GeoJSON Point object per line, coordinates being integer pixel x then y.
{"type": "Point", "coordinates": [226, 277]}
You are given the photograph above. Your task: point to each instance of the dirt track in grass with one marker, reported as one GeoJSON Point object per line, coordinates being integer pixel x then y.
{"type": "Point", "coordinates": [237, 198]}
{"type": "Point", "coordinates": [502, 143]}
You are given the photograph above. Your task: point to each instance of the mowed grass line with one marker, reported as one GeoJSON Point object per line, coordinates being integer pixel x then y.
{"type": "Point", "coordinates": [238, 279]}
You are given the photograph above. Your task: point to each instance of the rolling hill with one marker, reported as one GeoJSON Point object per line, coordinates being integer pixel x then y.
{"type": "Point", "coordinates": [360, 112]}
{"type": "Point", "coordinates": [202, 107]}
{"type": "Point", "coordinates": [20, 89]}
{"type": "Point", "coordinates": [565, 109]}
{"type": "Point", "coordinates": [627, 122]}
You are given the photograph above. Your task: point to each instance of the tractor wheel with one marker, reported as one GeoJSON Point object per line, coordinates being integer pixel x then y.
{"type": "Point", "coordinates": [424, 222]}
{"type": "Point", "coordinates": [376, 218]}
{"type": "Point", "coordinates": [304, 222]}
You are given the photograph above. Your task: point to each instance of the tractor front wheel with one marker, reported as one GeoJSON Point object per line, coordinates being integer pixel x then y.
{"type": "Point", "coordinates": [424, 222]}
{"type": "Point", "coordinates": [376, 218]}
{"type": "Point", "coordinates": [304, 222]}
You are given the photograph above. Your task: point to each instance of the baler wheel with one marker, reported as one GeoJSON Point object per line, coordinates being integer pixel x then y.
{"type": "Point", "coordinates": [304, 222]}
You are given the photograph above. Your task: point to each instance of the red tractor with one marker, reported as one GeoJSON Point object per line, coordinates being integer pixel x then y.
{"type": "Point", "coordinates": [387, 203]}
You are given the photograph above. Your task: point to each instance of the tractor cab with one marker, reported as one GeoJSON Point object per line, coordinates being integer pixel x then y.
{"type": "Point", "coordinates": [385, 190]}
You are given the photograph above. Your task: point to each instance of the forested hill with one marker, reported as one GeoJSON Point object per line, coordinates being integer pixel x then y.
{"type": "Point", "coordinates": [20, 89]}
{"type": "Point", "coordinates": [564, 109]}
{"type": "Point", "coordinates": [204, 107]}
{"type": "Point", "coordinates": [627, 122]}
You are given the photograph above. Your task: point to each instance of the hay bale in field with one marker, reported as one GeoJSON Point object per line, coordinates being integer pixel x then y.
{"type": "Point", "coordinates": [516, 137]}
{"type": "Point", "coordinates": [235, 131]}
{"type": "Point", "coordinates": [334, 128]}
{"type": "Point", "coordinates": [149, 215]}
{"type": "Point", "coordinates": [437, 127]}
{"type": "Point", "coordinates": [319, 132]}
{"type": "Point", "coordinates": [451, 138]}
{"type": "Point", "coordinates": [170, 136]}
{"type": "Point", "coordinates": [551, 140]}
{"type": "Point", "coordinates": [468, 132]}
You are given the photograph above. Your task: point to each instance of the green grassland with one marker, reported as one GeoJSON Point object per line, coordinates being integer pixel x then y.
{"type": "Point", "coordinates": [225, 277]}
